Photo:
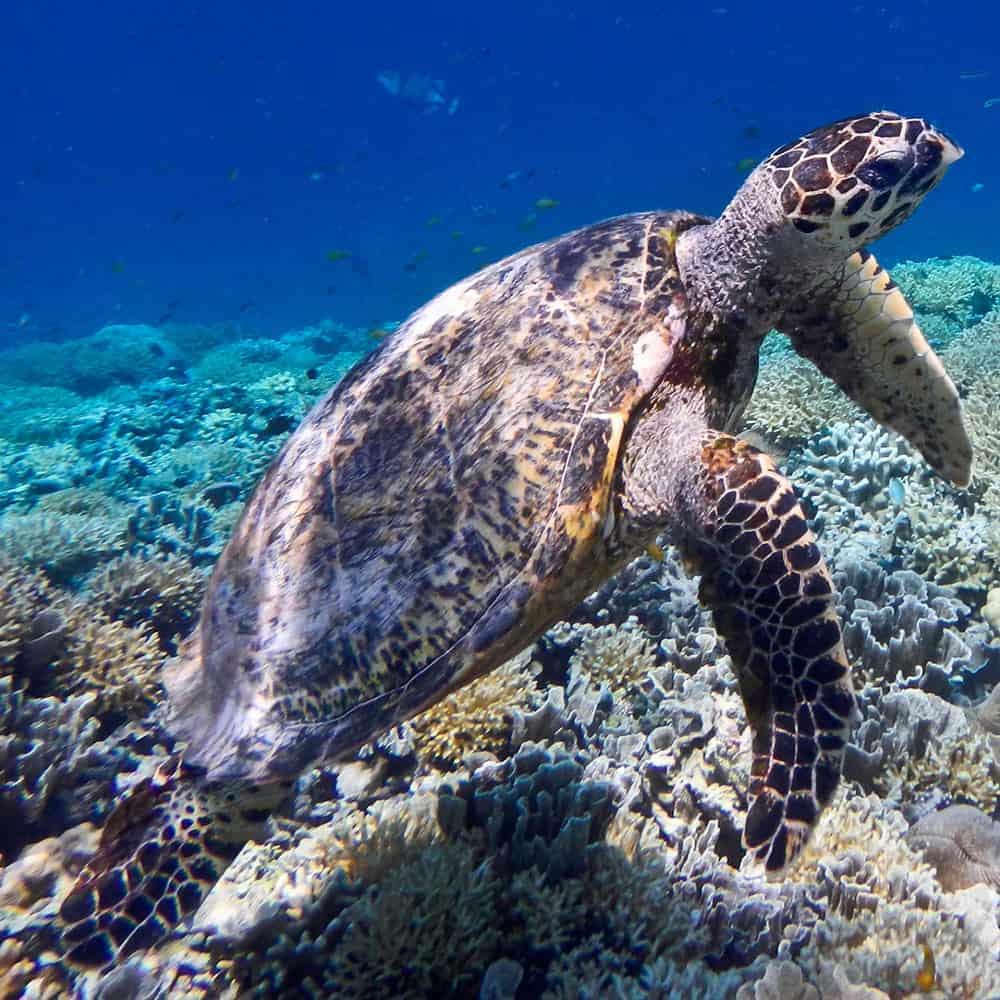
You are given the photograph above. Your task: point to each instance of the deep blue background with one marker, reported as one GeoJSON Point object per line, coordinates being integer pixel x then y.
{"type": "Point", "coordinates": [161, 152]}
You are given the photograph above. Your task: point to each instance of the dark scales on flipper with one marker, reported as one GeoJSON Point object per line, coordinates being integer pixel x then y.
{"type": "Point", "coordinates": [765, 580]}
{"type": "Point", "coordinates": [161, 851]}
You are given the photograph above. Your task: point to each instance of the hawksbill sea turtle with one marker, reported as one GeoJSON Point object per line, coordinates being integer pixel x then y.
{"type": "Point", "coordinates": [512, 445]}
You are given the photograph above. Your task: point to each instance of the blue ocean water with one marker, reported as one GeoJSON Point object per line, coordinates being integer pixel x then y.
{"type": "Point", "coordinates": [243, 162]}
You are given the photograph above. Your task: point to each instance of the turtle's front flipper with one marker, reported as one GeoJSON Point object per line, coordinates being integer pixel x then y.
{"type": "Point", "coordinates": [737, 519]}
{"type": "Point", "coordinates": [860, 332]}
{"type": "Point", "coordinates": [161, 850]}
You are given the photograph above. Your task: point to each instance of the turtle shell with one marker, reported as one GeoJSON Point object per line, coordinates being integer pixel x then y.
{"type": "Point", "coordinates": [441, 506]}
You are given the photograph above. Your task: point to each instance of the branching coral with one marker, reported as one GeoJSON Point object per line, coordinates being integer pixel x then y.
{"type": "Point", "coordinates": [476, 717]}
{"type": "Point", "coordinates": [616, 656]}
{"type": "Point", "coordinates": [792, 400]}
{"type": "Point", "coordinates": [958, 290]}
{"type": "Point", "coordinates": [119, 665]}
{"type": "Point", "coordinates": [161, 593]}
{"type": "Point", "coordinates": [27, 597]}
{"type": "Point", "coordinates": [65, 546]}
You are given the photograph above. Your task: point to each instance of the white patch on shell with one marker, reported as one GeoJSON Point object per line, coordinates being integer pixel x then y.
{"type": "Point", "coordinates": [652, 352]}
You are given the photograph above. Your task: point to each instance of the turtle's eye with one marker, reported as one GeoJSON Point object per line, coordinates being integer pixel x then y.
{"type": "Point", "coordinates": [885, 170]}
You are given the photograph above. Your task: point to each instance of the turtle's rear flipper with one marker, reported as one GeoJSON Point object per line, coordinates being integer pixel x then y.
{"type": "Point", "coordinates": [862, 334]}
{"type": "Point", "coordinates": [161, 850]}
{"type": "Point", "coordinates": [742, 528]}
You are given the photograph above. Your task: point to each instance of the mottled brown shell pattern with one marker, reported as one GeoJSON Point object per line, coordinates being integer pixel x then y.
{"type": "Point", "coordinates": [447, 500]}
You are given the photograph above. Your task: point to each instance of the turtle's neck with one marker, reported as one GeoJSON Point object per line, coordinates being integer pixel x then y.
{"type": "Point", "coordinates": [746, 266]}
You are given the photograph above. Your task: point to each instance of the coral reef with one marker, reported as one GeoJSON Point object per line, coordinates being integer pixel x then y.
{"type": "Point", "coordinates": [161, 593]}
{"type": "Point", "coordinates": [566, 827]}
{"type": "Point", "coordinates": [477, 717]}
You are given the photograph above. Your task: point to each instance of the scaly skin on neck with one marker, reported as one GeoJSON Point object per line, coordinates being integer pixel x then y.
{"type": "Point", "coordinates": [747, 266]}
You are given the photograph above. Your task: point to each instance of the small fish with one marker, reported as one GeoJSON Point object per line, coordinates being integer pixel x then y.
{"type": "Point", "coordinates": [434, 220]}
{"type": "Point", "coordinates": [165, 318]}
{"type": "Point", "coordinates": [751, 132]}
{"type": "Point", "coordinates": [173, 304]}
{"type": "Point", "coordinates": [478, 249]}
{"type": "Point", "coordinates": [234, 175]}
{"type": "Point", "coordinates": [974, 74]}
{"type": "Point", "coordinates": [118, 266]}
{"type": "Point", "coordinates": [527, 223]}
{"type": "Point", "coordinates": [897, 491]}
{"type": "Point", "coordinates": [456, 234]}
{"type": "Point", "coordinates": [655, 552]}
{"type": "Point", "coordinates": [991, 102]}
{"type": "Point", "coordinates": [24, 319]}
{"type": "Point", "coordinates": [746, 164]}
{"type": "Point", "coordinates": [378, 333]}
{"type": "Point", "coordinates": [246, 306]}
{"type": "Point", "coordinates": [316, 176]}
{"type": "Point", "coordinates": [178, 215]}
{"type": "Point", "coordinates": [312, 374]}
{"type": "Point", "coordinates": [335, 255]}
{"type": "Point", "coordinates": [544, 204]}
{"type": "Point", "coordinates": [977, 187]}
{"type": "Point", "coordinates": [927, 976]}
{"type": "Point", "coordinates": [155, 348]}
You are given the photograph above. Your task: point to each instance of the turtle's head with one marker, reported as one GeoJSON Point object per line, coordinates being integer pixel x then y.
{"type": "Point", "coordinates": [848, 183]}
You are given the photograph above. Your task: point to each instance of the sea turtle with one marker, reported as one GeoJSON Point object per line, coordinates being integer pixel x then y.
{"type": "Point", "coordinates": [514, 443]}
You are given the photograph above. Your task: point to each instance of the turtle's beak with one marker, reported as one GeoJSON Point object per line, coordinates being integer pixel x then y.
{"type": "Point", "coordinates": [950, 151]}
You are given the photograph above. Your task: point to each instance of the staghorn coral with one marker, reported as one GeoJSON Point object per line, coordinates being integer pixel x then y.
{"type": "Point", "coordinates": [162, 593]}
{"type": "Point", "coordinates": [476, 717]}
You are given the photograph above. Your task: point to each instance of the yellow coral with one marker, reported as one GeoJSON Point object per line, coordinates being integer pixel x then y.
{"type": "Point", "coordinates": [863, 825]}
{"type": "Point", "coordinates": [617, 656]}
{"type": "Point", "coordinates": [122, 665]}
{"type": "Point", "coordinates": [475, 717]}
{"type": "Point", "coordinates": [162, 593]}
{"type": "Point", "coordinates": [967, 770]}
